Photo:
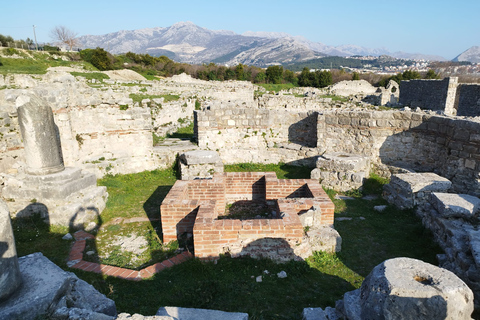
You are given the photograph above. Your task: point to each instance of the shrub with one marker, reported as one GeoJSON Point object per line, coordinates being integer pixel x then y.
{"type": "Point", "coordinates": [98, 58]}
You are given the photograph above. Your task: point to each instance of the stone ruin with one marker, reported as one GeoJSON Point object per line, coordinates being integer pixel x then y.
{"type": "Point", "coordinates": [199, 164]}
{"type": "Point", "coordinates": [198, 207]}
{"type": "Point", "coordinates": [66, 196]}
{"type": "Point", "coordinates": [33, 286]}
{"type": "Point", "coordinates": [104, 131]}
{"type": "Point", "coordinates": [402, 288]}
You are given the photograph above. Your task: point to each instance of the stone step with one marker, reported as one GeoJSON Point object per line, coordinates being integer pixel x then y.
{"type": "Point", "coordinates": [451, 205]}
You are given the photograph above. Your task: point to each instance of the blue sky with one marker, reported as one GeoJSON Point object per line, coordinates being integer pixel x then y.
{"type": "Point", "coordinates": [440, 27]}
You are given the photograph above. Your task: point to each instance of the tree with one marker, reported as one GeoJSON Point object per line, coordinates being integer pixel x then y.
{"type": "Point", "coordinates": [355, 76]}
{"type": "Point", "coordinates": [239, 72]}
{"type": "Point", "coordinates": [274, 74]}
{"type": "Point", "coordinates": [431, 75]}
{"type": "Point", "coordinates": [65, 36]}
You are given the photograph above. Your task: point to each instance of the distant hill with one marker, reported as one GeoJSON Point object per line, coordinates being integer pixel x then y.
{"type": "Point", "coordinates": [470, 55]}
{"type": "Point", "coordinates": [187, 42]}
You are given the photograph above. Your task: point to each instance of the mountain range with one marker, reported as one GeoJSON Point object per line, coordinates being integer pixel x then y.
{"type": "Point", "coordinates": [470, 55]}
{"type": "Point", "coordinates": [187, 42]}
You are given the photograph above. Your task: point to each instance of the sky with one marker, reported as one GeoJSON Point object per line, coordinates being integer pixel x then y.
{"type": "Point", "coordinates": [438, 27]}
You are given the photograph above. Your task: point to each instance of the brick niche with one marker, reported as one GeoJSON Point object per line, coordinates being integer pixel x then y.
{"type": "Point", "coordinates": [195, 205]}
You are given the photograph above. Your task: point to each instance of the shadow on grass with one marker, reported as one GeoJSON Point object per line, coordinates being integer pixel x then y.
{"type": "Point", "coordinates": [230, 285]}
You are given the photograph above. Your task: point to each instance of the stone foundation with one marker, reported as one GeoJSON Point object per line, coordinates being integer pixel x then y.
{"type": "Point", "coordinates": [199, 164]}
{"type": "Point", "coordinates": [407, 190]}
{"type": "Point", "coordinates": [342, 171]}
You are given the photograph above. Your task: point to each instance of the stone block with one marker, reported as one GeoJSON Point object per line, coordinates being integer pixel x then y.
{"type": "Point", "coordinates": [10, 277]}
{"type": "Point", "coordinates": [404, 288]}
{"type": "Point", "coordinates": [200, 314]}
{"type": "Point", "coordinates": [341, 171]}
{"type": "Point", "coordinates": [407, 190]}
{"type": "Point", "coordinates": [426, 181]}
{"type": "Point", "coordinates": [325, 239]}
{"type": "Point", "coordinates": [199, 164]}
{"type": "Point", "coordinates": [314, 314]}
{"type": "Point", "coordinates": [200, 157]}
{"type": "Point", "coordinates": [48, 288]}
{"type": "Point", "coordinates": [451, 205]}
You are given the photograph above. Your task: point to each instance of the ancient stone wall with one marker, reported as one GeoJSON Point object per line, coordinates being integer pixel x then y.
{"type": "Point", "coordinates": [106, 138]}
{"type": "Point", "coordinates": [429, 94]}
{"type": "Point", "coordinates": [257, 135]}
{"type": "Point", "coordinates": [447, 146]}
{"type": "Point", "coordinates": [468, 100]}
{"type": "Point", "coordinates": [352, 87]}
{"type": "Point", "coordinates": [11, 147]}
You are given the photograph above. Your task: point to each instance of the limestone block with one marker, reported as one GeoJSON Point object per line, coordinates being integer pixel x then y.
{"type": "Point", "coordinates": [314, 314]}
{"type": "Point", "coordinates": [474, 242]}
{"type": "Point", "coordinates": [10, 277]}
{"type": "Point", "coordinates": [325, 239]}
{"type": "Point", "coordinates": [200, 314]}
{"type": "Point", "coordinates": [200, 157]}
{"type": "Point", "coordinates": [406, 190]}
{"type": "Point", "coordinates": [136, 316]}
{"type": "Point", "coordinates": [199, 164]}
{"type": "Point", "coordinates": [404, 288]}
{"type": "Point", "coordinates": [416, 182]}
{"type": "Point", "coordinates": [82, 295]}
{"type": "Point", "coordinates": [451, 205]}
{"type": "Point", "coordinates": [311, 218]}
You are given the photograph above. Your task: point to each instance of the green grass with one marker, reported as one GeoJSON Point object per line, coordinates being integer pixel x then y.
{"type": "Point", "coordinates": [276, 87]}
{"type": "Point", "coordinates": [23, 66]}
{"type": "Point", "coordinates": [228, 285]}
{"type": "Point", "coordinates": [167, 97]}
{"type": "Point", "coordinates": [335, 98]}
{"type": "Point", "coordinates": [283, 171]}
{"type": "Point", "coordinates": [91, 75]}
{"type": "Point", "coordinates": [183, 133]}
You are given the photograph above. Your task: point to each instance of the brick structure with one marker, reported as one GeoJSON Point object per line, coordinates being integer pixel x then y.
{"type": "Point", "coordinates": [194, 206]}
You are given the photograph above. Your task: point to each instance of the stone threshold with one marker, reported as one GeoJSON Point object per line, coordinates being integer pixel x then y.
{"type": "Point", "coordinates": [75, 260]}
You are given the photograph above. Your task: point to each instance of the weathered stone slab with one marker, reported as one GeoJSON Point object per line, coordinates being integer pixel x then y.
{"type": "Point", "coordinates": [407, 190]}
{"type": "Point", "coordinates": [404, 288]}
{"type": "Point", "coordinates": [451, 205]}
{"type": "Point", "coordinates": [10, 277]}
{"type": "Point", "coordinates": [200, 157]}
{"type": "Point", "coordinates": [426, 181]}
{"type": "Point", "coordinates": [44, 284]}
{"type": "Point", "coordinates": [199, 164]}
{"type": "Point", "coordinates": [474, 237]}
{"type": "Point", "coordinates": [325, 239]}
{"type": "Point", "coordinates": [136, 316]}
{"type": "Point", "coordinates": [200, 314]}
{"type": "Point", "coordinates": [314, 314]}
{"type": "Point", "coordinates": [341, 161]}
{"type": "Point", "coordinates": [47, 289]}
{"type": "Point", "coordinates": [352, 305]}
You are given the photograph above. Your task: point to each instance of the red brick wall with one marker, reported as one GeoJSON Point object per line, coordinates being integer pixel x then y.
{"type": "Point", "coordinates": [194, 206]}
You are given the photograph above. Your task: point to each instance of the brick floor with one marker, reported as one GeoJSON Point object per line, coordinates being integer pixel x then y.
{"type": "Point", "coordinates": [76, 253]}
